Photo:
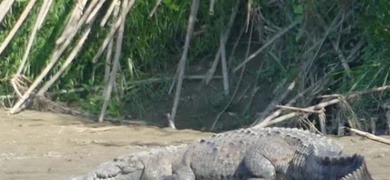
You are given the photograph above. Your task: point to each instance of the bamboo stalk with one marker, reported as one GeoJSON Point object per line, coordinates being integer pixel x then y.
{"type": "Point", "coordinates": [109, 36]}
{"type": "Point", "coordinates": [107, 69]}
{"type": "Point", "coordinates": [95, 10]}
{"type": "Point", "coordinates": [213, 68]}
{"type": "Point", "coordinates": [68, 60]}
{"type": "Point", "coordinates": [5, 7]}
{"type": "Point", "coordinates": [113, 4]}
{"type": "Point", "coordinates": [158, 2]}
{"type": "Point", "coordinates": [125, 9]}
{"type": "Point", "coordinates": [53, 61]}
{"type": "Point", "coordinates": [211, 7]}
{"type": "Point", "coordinates": [182, 64]}
{"type": "Point", "coordinates": [74, 19]}
{"type": "Point", "coordinates": [224, 67]}
{"type": "Point", "coordinates": [16, 27]}
{"type": "Point", "coordinates": [41, 16]}
{"type": "Point", "coordinates": [239, 80]}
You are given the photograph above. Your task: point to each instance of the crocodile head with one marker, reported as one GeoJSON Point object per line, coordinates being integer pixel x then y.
{"type": "Point", "coordinates": [309, 164]}
{"type": "Point", "coordinates": [118, 169]}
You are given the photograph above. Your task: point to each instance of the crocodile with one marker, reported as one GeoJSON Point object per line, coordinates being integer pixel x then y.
{"type": "Point", "coordinates": [251, 153]}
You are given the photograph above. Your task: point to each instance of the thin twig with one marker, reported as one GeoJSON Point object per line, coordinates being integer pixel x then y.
{"type": "Point", "coordinates": [370, 136]}
{"type": "Point", "coordinates": [230, 101]}
{"type": "Point", "coordinates": [265, 121]}
{"type": "Point", "coordinates": [225, 38]}
{"type": "Point", "coordinates": [344, 62]}
{"type": "Point", "coordinates": [269, 42]}
{"type": "Point", "coordinates": [237, 86]}
{"type": "Point", "coordinates": [308, 64]}
{"type": "Point", "coordinates": [357, 93]}
{"type": "Point", "coordinates": [272, 105]}
{"type": "Point", "coordinates": [182, 64]}
{"type": "Point", "coordinates": [298, 109]}
{"type": "Point", "coordinates": [151, 80]}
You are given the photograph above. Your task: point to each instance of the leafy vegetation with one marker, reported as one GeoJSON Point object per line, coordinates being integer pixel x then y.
{"type": "Point", "coordinates": [337, 47]}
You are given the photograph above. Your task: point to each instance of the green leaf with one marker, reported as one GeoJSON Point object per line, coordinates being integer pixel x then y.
{"type": "Point", "coordinates": [298, 9]}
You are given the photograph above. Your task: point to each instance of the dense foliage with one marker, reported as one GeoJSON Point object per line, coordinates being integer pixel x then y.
{"type": "Point", "coordinates": [339, 46]}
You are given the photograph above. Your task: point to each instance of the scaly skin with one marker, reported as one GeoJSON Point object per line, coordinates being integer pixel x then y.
{"type": "Point", "coordinates": [307, 164]}
{"type": "Point", "coordinates": [240, 154]}
{"type": "Point", "coordinates": [248, 153]}
{"type": "Point", "coordinates": [147, 165]}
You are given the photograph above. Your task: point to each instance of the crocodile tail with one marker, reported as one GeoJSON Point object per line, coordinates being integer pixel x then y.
{"type": "Point", "coordinates": [307, 163]}
{"type": "Point", "coordinates": [360, 173]}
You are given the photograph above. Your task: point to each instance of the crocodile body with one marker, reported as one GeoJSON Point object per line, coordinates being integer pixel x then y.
{"type": "Point", "coordinates": [266, 153]}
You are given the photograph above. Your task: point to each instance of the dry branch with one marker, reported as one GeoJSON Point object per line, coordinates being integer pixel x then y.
{"type": "Point", "coordinates": [298, 109]}
{"type": "Point", "coordinates": [16, 27]}
{"type": "Point", "coordinates": [310, 108]}
{"type": "Point", "coordinates": [269, 42]}
{"type": "Point", "coordinates": [338, 98]}
{"type": "Point", "coordinates": [272, 104]}
{"type": "Point", "coordinates": [370, 136]}
{"type": "Point", "coordinates": [182, 63]}
{"type": "Point", "coordinates": [358, 93]}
